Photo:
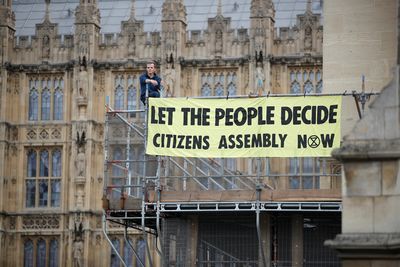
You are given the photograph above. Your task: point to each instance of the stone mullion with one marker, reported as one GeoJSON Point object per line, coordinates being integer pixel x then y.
{"type": "Point", "coordinates": [52, 92]}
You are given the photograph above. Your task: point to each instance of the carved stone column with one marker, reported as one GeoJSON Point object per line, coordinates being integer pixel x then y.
{"type": "Point", "coordinates": [371, 191]}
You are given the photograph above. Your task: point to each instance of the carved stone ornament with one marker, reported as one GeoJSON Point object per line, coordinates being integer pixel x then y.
{"type": "Point", "coordinates": [118, 132]}
{"type": "Point", "coordinates": [56, 134]}
{"type": "Point", "coordinates": [12, 223]}
{"type": "Point", "coordinates": [80, 162]}
{"type": "Point", "coordinates": [41, 222]}
{"type": "Point", "coordinates": [44, 134]}
{"type": "Point", "coordinates": [31, 134]}
{"type": "Point", "coordinates": [98, 239]}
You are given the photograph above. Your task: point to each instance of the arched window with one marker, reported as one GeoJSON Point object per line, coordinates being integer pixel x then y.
{"type": "Point", "coordinates": [295, 88]}
{"type": "Point", "coordinates": [119, 98]}
{"type": "Point", "coordinates": [117, 155]}
{"type": "Point", "coordinates": [33, 104]}
{"type": "Point", "coordinates": [114, 258]}
{"type": "Point", "coordinates": [203, 78]}
{"type": "Point", "coordinates": [308, 87]}
{"type": "Point", "coordinates": [43, 192]}
{"type": "Point", "coordinates": [31, 172]}
{"type": "Point", "coordinates": [218, 83]}
{"type": "Point", "coordinates": [219, 90]}
{"type": "Point", "coordinates": [28, 253]}
{"type": "Point", "coordinates": [49, 90]}
{"type": "Point", "coordinates": [140, 157]}
{"type": "Point", "coordinates": [30, 193]}
{"type": "Point", "coordinates": [46, 104]}
{"type": "Point", "coordinates": [44, 163]}
{"type": "Point", "coordinates": [210, 79]}
{"type": "Point", "coordinates": [292, 76]}
{"type": "Point", "coordinates": [141, 251]}
{"type": "Point", "coordinates": [232, 89]}
{"type": "Point", "coordinates": [308, 168]}
{"type": "Point", "coordinates": [304, 173]}
{"type": "Point", "coordinates": [58, 104]}
{"type": "Point", "coordinates": [305, 76]}
{"type": "Point", "coordinates": [319, 82]}
{"type": "Point", "coordinates": [231, 78]}
{"type": "Point", "coordinates": [319, 76]}
{"type": "Point", "coordinates": [55, 192]}
{"type": "Point", "coordinates": [43, 187]}
{"type": "Point", "coordinates": [311, 76]}
{"type": "Point", "coordinates": [298, 76]}
{"type": "Point", "coordinates": [305, 81]}
{"type": "Point", "coordinates": [56, 163]}
{"type": "Point", "coordinates": [220, 79]}
{"type": "Point", "coordinates": [132, 166]}
{"type": "Point", "coordinates": [117, 172]}
{"type": "Point", "coordinates": [205, 90]}
{"type": "Point", "coordinates": [128, 254]}
{"type": "Point", "coordinates": [41, 253]}
{"type": "Point", "coordinates": [132, 91]}
{"type": "Point", "coordinates": [53, 260]}
{"type": "Point", "coordinates": [294, 169]}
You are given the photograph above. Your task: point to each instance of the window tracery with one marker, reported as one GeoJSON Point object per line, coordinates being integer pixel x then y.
{"type": "Point", "coordinates": [41, 252]}
{"type": "Point", "coordinates": [218, 83]}
{"type": "Point", "coordinates": [46, 94]}
{"type": "Point", "coordinates": [43, 187]}
{"type": "Point", "coordinates": [305, 80]}
{"type": "Point", "coordinates": [126, 90]}
{"type": "Point", "coordinates": [126, 252]}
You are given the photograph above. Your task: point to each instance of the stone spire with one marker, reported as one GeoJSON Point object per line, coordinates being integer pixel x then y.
{"type": "Point", "coordinates": [132, 16]}
{"type": "Point", "coordinates": [174, 10]}
{"type": "Point", "coordinates": [309, 6]}
{"type": "Point", "coordinates": [132, 30]}
{"type": "Point", "coordinates": [87, 12]}
{"type": "Point", "coordinates": [219, 8]}
{"type": "Point", "coordinates": [262, 8]}
{"type": "Point", "coordinates": [7, 16]}
{"type": "Point", "coordinates": [47, 14]}
{"type": "Point", "coordinates": [7, 31]}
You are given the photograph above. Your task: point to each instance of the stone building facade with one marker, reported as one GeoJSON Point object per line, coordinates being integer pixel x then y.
{"type": "Point", "coordinates": [54, 87]}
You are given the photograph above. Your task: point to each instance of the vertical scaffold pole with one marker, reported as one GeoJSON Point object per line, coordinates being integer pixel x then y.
{"type": "Point", "coordinates": [106, 151]}
{"type": "Point", "coordinates": [146, 107]}
{"type": "Point", "coordinates": [258, 195]}
{"type": "Point", "coordinates": [128, 150]}
{"type": "Point", "coordinates": [158, 190]}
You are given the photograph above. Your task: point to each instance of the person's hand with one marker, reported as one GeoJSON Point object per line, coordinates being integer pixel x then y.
{"type": "Point", "coordinates": [153, 82]}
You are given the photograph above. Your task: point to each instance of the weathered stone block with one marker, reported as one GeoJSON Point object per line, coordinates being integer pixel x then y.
{"type": "Point", "coordinates": [391, 116]}
{"type": "Point", "coordinates": [363, 179]}
{"type": "Point", "coordinates": [390, 177]}
{"type": "Point", "coordinates": [386, 214]}
{"type": "Point", "coordinates": [357, 215]}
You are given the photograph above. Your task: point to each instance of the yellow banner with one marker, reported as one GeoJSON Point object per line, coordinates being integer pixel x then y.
{"type": "Point", "coordinates": [237, 127]}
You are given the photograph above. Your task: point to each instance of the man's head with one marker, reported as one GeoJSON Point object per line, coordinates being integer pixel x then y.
{"type": "Point", "coordinates": [151, 68]}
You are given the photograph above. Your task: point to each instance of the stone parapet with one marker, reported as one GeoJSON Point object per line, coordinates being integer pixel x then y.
{"type": "Point", "coordinates": [367, 245]}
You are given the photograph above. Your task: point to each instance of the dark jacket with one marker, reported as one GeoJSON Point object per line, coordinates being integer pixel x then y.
{"type": "Point", "coordinates": [154, 91]}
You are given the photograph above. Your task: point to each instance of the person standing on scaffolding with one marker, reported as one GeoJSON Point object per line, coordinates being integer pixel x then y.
{"type": "Point", "coordinates": [150, 81]}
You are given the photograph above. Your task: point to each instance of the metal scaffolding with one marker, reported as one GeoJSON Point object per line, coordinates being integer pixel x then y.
{"type": "Point", "coordinates": [134, 182]}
